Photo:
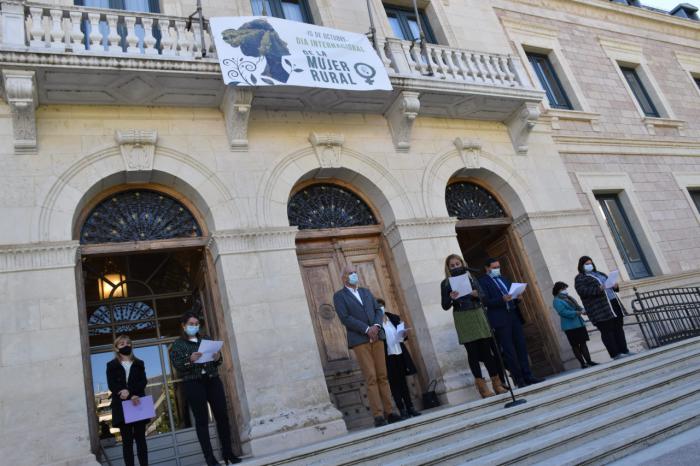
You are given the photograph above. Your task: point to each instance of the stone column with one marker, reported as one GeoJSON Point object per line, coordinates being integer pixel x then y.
{"type": "Point", "coordinates": [45, 417]}
{"type": "Point", "coordinates": [419, 247]}
{"type": "Point", "coordinates": [284, 401]}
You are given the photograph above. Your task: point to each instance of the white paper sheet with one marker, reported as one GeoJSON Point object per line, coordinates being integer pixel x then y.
{"type": "Point", "coordinates": [401, 332]}
{"type": "Point", "coordinates": [516, 289]}
{"type": "Point", "coordinates": [612, 280]}
{"type": "Point", "coordinates": [208, 348]}
{"type": "Point", "coordinates": [461, 284]}
{"type": "Point", "coordinates": [145, 410]}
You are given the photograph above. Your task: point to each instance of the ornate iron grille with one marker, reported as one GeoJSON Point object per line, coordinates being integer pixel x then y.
{"type": "Point", "coordinates": [328, 206]}
{"type": "Point", "coordinates": [138, 215]}
{"type": "Point", "coordinates": [470, 201]}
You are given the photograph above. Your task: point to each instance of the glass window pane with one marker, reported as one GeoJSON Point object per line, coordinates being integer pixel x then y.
{"type": "Point", "coordinates": [695, 195]}
{"type": "Point", "coordinates": [413, 25]}
{"type": "Point", "coordinates": [396, 27]}
{"type": "Point", "coordinates": [624, 237]}
{"type": "Point", "coordinates": [639, 92]}
{"type": "Point", "coordinates": [292, 11]}
{"type": "Point", "coordinates": [546, 75]}
{"type": "Point", "coordinates": [173, 307]}
{"type": "Point", "coordinates": [137, 5]}
{"type": "Point", "coordinates": [258, 7]}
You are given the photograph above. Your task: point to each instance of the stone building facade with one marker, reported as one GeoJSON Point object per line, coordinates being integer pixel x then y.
{"type": "Point", "coordinates": [132, 114]}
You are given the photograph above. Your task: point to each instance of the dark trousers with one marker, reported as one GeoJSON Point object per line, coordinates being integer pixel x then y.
{"type": "Point", "coordinates": [396, 371]}
{"type": "Point", "coordinates": [198, 393]}
{"type": "Point", "coordinates": [135, 431]}
{"type": "Point", "coordinates": [482, 350]}
{"type": "Point", "coordinates": [612, 331]}
{"type": "Point", "coordinates": [512, 341]}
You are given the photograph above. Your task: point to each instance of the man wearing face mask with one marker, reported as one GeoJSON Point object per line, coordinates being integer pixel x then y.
{"type": "Point", "coordinates": [507, 322]}
{"type": "Point", "coordinates": [362, 317]}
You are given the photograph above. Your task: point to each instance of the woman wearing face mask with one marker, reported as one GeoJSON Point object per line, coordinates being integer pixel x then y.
{"type": "Point", "coordinates": [399, 364]}
{"type": "Point", "coordinates": [126, 379]}
{"type": "Point", "coordinates": [202, 385]}
{"type": "Point", "coordinates": [571, 323]}
{"type": "Point", "coordinates": [602, 307]}
{"type": "Point", "coordinates": [473, 329]}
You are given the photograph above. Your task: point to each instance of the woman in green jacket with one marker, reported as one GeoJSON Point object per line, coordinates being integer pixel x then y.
{"type": "Point", "coordinates": [571, 323]}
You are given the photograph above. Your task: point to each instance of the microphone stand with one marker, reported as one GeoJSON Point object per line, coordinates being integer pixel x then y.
{"type": "Point", "coordinates": [514, 402]}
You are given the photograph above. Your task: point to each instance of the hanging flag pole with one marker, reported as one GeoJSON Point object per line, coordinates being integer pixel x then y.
{"type": "Point", "coordinates": [372, 29]}
{"type": "Point", "coordinates": [421, 35]}
{"type": "Point", "coordinates": [200, 17]}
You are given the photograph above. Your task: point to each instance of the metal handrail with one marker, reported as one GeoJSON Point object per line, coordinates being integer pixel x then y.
{"type": "Point", "coordinates": [667, 315]}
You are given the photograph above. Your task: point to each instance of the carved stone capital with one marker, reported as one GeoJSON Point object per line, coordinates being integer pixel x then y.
{"type": "Point", "coordinates": [20, 94]}
{"type": "Point", "coordinates": [245, 241]}
{"type": "Point", "coordinates": [328, 148]}
{"type": "Point", "coordinates": [419, 229]}
{"type": "Point", "coordinates": [520, 125]}
{"type": "Point", "coordinates": [138, 150]}
{"type": "Point", "coordinates": [38, 256]}
{"type": "Point", "coordinates": [236, 108]}
{"type": "Point", "coordinates": [400, 116]}
{"type": "Point", "coordinates": [469, 151]}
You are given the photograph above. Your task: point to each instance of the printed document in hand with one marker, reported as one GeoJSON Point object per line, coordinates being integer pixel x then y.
{"type": "Point", "coordinates": [516, 289]}
{"type": "Point", "coordinates": [144, 410]}
{"type": "Point", "coordinates": [612, 280]}
{"type": "Point", "coordinates": [208, 348]}
{"type": "Point", "coordinates": [461, 284]}
{"type": "Point", "coordinates": [401, 332]}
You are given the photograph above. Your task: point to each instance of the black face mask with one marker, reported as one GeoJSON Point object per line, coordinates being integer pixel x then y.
{"type": "Point", "coordinates": [458, 271]}
{"type": "Point", "coordinates": [125, 350]}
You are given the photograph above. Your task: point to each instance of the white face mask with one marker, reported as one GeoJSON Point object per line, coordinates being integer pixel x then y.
{"type": "Point", "coordinates": [588, 267]}
{"type": "Point", "coordinates": [564, 292]}
{"type": "Point", "coordinates": [382, 308]}
{"type": "Point", "coordinates": [495, 272]}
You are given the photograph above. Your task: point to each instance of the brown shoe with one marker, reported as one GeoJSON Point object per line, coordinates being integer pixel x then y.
{"type": "Point", "coordinates": [482, 388]}
{"type": "Point", "coordinates": [498, 385]}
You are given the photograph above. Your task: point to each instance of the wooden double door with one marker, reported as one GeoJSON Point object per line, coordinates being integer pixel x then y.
{"type": "Point", "coordinates": [481, 239]}
{"type": "Point", "coordinates": [321, 260]}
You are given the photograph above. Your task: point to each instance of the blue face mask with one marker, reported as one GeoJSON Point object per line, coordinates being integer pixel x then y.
{"type": "Point", "coordinates": [192, 330]}
{"type": "Point", "coordinates": [353, 279]}
{"type": "Point", "coordinates": [495, 272]}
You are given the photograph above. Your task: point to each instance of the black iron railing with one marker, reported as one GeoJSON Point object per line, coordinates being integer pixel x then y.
{"type": "Point", "coordinates": [667, 315]}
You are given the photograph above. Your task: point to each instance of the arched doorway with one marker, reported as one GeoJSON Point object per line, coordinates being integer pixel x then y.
{"type": "Point", "coordinates": [485, 229]}
{"type": "Point", "coordinates": [339, 226]}
{"type": "Point", "coordinates": [144, 262]}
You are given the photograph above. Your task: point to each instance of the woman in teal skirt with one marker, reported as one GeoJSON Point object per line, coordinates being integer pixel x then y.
{"type": "Point", "coordinates": [473, 329]}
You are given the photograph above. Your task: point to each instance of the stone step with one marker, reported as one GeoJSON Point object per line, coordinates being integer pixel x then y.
{"type": "Point", "coordinates": [631, 439]}
{"type": "Point", "coordinates": [538, 445]}
{"type": "Point", "coordinates": [573, 392]}
{"type": "Point", "coordinates": [486, 433]}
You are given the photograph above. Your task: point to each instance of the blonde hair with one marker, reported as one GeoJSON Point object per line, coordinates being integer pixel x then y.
{"type": "Point", "coordinates": [126, 339]}
{"type": "Point", "coordinates": [447, 263]}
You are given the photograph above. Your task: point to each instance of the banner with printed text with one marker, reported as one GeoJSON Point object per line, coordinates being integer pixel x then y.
{"type": "Point", "coordinates": [265, 51]}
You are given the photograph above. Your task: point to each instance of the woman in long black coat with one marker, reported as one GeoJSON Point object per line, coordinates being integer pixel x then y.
{"type": "Point", "coordinates": [126, 378]}
{"type": "Point", "coordinates": [602, 306]}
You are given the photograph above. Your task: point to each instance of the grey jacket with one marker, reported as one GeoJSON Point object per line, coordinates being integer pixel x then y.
{"type": "Point", "coordinates": [355, 316]}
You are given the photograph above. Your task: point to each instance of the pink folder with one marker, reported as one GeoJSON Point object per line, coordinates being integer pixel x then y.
{"type": "Point", "coordinates": [144, 410]}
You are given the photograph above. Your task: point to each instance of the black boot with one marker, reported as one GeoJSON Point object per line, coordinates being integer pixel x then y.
{"type": "Point", "coordinates": [404, 413]}
{"type": "Point", "coordinates": [412, 411]}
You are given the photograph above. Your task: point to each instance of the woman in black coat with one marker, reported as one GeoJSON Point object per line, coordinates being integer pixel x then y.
{"type": "Point", "coordinates": [126, 378]}
{"type": "Point", "coordinates": [602, 306]}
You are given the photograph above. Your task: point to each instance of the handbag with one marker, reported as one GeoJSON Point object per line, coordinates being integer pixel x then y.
{"type": "Point", "coordinates": [430, 398]}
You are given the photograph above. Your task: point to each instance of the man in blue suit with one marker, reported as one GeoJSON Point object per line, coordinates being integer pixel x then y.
{"type": "Point", "coordinates": [362, 317]}
{"type": "Point", "coordinates": [507, 322]}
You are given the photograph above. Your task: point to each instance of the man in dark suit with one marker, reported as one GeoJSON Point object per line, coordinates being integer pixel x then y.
{"type": "Point", "coordinates": [507, 321]}
{"type": "Point", "coordinates": [362, 317]}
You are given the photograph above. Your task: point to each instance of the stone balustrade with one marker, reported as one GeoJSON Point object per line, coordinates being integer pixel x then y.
{"type": "Point", "coordinates": [99, 31]}
{"type": "Point", "coordinates": [32, 26]}
{"type": "Point", "coordinates": [431, 61]}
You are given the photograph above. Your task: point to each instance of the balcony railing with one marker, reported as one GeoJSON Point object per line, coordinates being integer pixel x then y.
{"type": "Point", "coordinates": [407, 59]}
{"type": "Point", "coordinates": [117, 33]}
{"type": "Point", "coordinates": [98, 31]}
